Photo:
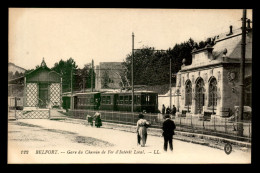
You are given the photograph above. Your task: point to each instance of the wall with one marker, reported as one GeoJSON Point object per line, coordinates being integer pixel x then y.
{"type": "Point", "coordinates": [206, 74]}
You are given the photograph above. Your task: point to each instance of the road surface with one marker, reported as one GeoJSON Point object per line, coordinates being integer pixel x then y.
{"type": "Point", "coordinates": [50, 141]}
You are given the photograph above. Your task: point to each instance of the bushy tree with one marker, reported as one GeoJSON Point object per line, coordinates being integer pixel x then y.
{"type": "Point", "coordinates": [65, 68]}
{"type": "Point", "coordinates": [152, 67]}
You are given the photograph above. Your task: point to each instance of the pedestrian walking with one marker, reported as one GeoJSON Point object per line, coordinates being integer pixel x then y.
{"type": "Point", "coordinates": [173, 110]}
{"type": "Point", "coordinates": [142, 125]}
{"type": "Point", "coordinates": [168, 132]}
{"type": "Point", "coordinates": [163, 109]}
{"type": "Point", "coordinates": [98, 121]}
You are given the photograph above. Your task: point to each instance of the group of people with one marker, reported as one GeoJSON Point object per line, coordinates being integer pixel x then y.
{"type": "Point", "coordinates": [95, 119]}
{"type": "Point", "coordinates": [142, 125]}
{"type": "Point", "coordinates": [168, 110]}
{"type": "Point", "coordinates": [168, 131]}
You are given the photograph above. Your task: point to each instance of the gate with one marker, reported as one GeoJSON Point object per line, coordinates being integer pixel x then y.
{"type": "Point", "coordinates": [33, 114]}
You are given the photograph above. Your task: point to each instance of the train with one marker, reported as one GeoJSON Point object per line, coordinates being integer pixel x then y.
{"type": "Point", "coordinates": [144, 101]}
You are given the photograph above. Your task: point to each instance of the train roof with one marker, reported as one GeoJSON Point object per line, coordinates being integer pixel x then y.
{"type": "Point", "coordinates": [139, 92]}
{"type": "Point", "coordinates": [89, 93]}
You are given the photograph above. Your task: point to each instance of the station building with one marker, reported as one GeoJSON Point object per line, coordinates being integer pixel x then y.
{"type": "Point", "coordinates": [211, 84]}
{"type": "Point", "coordinates": [43, 88]}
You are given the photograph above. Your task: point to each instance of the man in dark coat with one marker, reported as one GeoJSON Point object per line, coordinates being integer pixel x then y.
{"type": "Point", "coordinates": [163, 109]}
{"type": "Point", "coordinates": [168, 132]}
{"type": "Point", "coordinates": [168, 110]}
{"type": "Point", "coordinates": [173, 110]}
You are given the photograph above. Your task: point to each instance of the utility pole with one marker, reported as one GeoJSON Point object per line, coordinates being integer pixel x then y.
{"type": "Point", "coordinates": [132, 73]}
{"type": "Point", "coordinates": [170, 83]}
{"type": "Point", "coordinates": [71, 88]}
{"type": "Point", "coordinates": [92, 71]}
{"type": "Point", "coordinates": [242, 74]}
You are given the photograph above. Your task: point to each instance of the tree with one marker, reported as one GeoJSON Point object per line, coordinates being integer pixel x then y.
{"type": "Point", "coordinates": [65, 68]}
{"type": "Point", "coordinates": [83, 77]}
{"type": "Point", "coordinates": [151, 67]}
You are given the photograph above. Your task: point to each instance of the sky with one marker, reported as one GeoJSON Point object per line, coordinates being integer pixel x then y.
{"type": "Point", "coordinates": [105, 35]}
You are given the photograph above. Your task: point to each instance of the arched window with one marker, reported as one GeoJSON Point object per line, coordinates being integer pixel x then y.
{"type": "Point", "coordinates": [213, 98]}
{"type": "Point", "coordinates": [188, 93]}
{"type": "Point", "coordinates": [199, 95]}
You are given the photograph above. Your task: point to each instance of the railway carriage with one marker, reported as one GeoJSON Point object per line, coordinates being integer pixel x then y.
{"type": "Point", "coordinates": [87, 100]}
{"type": "Point", "coordinates": [121, 101]}
{"type": "Point", "coordinates": [109, 101]}
{"type": "Point", "coordinates": [143, 101]}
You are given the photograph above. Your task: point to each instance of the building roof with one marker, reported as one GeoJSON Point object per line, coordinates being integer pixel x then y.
{"type": "Point", "coordinates": [12, 64]}
{"type": "Point", "coordinates": [229, 46]}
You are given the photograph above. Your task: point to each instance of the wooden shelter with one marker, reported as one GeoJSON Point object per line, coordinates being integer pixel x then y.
{"type": "Point", "coordinates": [43, 88]}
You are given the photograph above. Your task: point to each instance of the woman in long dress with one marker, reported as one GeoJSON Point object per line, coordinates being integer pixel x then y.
{"type": "Point", "coordinates": [142, 125]}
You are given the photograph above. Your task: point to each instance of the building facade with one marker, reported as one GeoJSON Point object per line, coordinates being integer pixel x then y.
{"type": "Point", "coordinates": [43, 88]}
{"type": "Point", "coordinates": [211, 84]}
{"type": "Point", "coordinates": [109, 75]}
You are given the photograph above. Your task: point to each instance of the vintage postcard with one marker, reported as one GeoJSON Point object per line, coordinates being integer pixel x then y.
{"type": "Point", "coordinates": [161, 86]}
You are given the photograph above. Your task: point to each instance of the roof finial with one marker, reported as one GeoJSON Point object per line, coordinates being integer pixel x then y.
{"type": "Point", "coordinates": [43, 64]}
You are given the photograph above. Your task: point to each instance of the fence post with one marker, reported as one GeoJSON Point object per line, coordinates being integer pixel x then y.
{"type": "Point", "coordinates": [203, 123]}
{"type": "Point", "coordinates": [133, 118]}
{"type": "Point", "coordinates": [225, 125]}
{"type": "Point", "coordinates": [191, 121]}
{"type": "Point", "coordinates": [180, 122]}
{"type": "Point", "coordinates": [249, 134]}
{"type": "Point", "coordinates": [112, 116]}
{"type": "Point", "coordinates": [119, 118]}
{"type": "Point", "coordinates": [214, 124]}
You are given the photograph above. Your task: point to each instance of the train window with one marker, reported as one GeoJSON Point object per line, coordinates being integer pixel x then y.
{"type": "Point", "coordinates": [91, 100]}
{"type": "Point", "coordinates": [108, 100]}
{"type": "Point", "coordinates": [130, 100]}
{"type": "Point", "coordinates": [121, 100]}
{"type": "Point", "coordinates": [103, 99]}
{"type": "Point", "coordinates": [137, 99]}
{"type": "Point", "coordinates": [143, 99]}
{"type": "Point", "coordinates": [125, 99]}
{"type": "Point", "coordinates": [79, 101]}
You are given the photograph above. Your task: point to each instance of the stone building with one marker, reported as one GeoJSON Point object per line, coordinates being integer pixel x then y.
{"type": "Point", "coordinates": [42, 88]}
{"type": "Point", "coordinates": [211, 84]}
{"type": "Point", "coordinates": [109, 75]}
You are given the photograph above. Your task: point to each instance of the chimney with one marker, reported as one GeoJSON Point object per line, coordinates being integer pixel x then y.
{"type": "Point", "coordinates": [230, 30]}
{"type": "Point", "coordinates": [248, 24]}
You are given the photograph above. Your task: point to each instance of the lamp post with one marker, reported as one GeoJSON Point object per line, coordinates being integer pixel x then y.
{"type": "Point", "coordinates": [132, 74]}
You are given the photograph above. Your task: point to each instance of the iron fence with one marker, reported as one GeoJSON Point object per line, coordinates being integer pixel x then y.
{"type": "Point", "coordinates": [217, 127]}
{"type": "Point", "coordinates": [32, 114]}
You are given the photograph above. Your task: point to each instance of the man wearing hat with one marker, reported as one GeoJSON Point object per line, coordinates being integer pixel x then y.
{"type": "Point", "coordinates": [168, 132]}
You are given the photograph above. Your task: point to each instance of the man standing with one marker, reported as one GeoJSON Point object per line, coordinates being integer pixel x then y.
{"type": "Point", "coordinates": [173, 110]}
{"type": "Point", "coordinates": [168, 110]}
{"type": "Point", "coordinates": [168, 132]}
{"type": "Point", "coordinates": [163, 109]}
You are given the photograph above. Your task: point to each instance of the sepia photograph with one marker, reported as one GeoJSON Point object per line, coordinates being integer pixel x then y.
{"type": "Point", "coordinates": [129, 86]}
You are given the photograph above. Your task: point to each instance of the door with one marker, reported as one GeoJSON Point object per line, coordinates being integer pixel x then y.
{"type": "Point", "coordinates": [43, 95]}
